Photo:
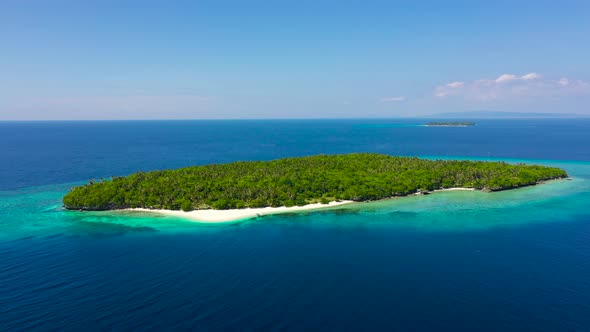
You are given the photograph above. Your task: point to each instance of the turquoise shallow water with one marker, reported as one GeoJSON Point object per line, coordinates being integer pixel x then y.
{"type": "Point", "coordinates": [37, 211]}
{"type": "Point", "coordinates": [517, 260]}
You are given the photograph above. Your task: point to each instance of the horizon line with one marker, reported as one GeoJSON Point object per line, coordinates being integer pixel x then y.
{"type": "Point", "coordinates": [572, 116]}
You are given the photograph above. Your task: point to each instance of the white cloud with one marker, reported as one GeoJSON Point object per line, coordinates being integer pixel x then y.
{"type": "Point", "coordinates": [390, 99]}
{"type": "Point", "coordinates": [456, 84]}
{"type": "Point", "coordinates": [506, 78]}
{"type": "Point", "coordinates": [530, 76]}
{"type": "Point", "coordinates": [509, 86]}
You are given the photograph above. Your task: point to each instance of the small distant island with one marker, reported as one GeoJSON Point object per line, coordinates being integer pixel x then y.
{"type": "Point", "coordinates": [450, 124]}
{"type": "Point", "coordinates": [290, 182]}
{"type": "Point", "coordinates": [488, 114]}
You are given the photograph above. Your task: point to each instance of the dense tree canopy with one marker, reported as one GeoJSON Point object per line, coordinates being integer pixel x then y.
{"type": "Point", "coordinates": [299, 181]}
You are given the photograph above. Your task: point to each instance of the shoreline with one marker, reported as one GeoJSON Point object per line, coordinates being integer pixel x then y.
{"type": "Point", "coordinates": [211, 215]}
{"type": "Point", "coordinates": [455, 189]}
{"type": "Point", "coordinates": [215, 216]}
{"type": "Point", "coordinates": [218, 216]}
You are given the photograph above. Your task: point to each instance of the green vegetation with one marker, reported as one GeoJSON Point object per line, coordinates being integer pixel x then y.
{"type": "Point", "coordinates": [450, 124]}
{"type": "Point", "coordinates": [299, 181]}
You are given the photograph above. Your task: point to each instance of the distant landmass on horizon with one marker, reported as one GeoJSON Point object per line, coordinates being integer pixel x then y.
{"type": "Point", "coordinates": [501, 115]}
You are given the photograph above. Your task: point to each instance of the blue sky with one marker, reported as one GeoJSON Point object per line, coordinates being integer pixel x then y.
{"type": "Point", "coordinates": [291, 59]}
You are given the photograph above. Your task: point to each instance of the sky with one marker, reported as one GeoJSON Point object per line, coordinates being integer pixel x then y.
{"type": "Point", "coordinates": [85, 60]}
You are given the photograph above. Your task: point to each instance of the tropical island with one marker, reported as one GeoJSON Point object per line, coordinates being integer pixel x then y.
{"type": "Point", "coordinates": [450, 124]}
{"type": "Point", "coordinates": [298, 182]}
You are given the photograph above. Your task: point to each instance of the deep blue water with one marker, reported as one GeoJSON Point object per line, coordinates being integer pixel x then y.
{"type": "Point", "coordinates": [37, 153]}
{"type": "Point", "coordinates": [457, 261]}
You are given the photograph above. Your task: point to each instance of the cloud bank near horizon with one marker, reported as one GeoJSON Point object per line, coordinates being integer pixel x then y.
{"type": "Point", "coordinates": [528, 91]}
{"type": "Point", "coordinates": [530, 86]}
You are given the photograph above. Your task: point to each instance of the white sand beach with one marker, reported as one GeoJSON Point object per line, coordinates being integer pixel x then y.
{"type": "Point", "coordinates": [454, 189]}
{"type": "Point", "coordinates": [238, 214]}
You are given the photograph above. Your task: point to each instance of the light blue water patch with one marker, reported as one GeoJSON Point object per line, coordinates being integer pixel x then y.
{"type": "Point", "coordinates": [37, 212]}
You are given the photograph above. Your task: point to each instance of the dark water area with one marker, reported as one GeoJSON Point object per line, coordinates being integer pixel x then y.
{"type": "Point", "coordinates": [454, 261]}
{"type": "Point", "coordinates": [277, 277]}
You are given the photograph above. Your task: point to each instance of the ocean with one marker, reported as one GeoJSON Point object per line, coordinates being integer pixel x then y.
{"type": "Point", "coordinates": [517, 260]}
